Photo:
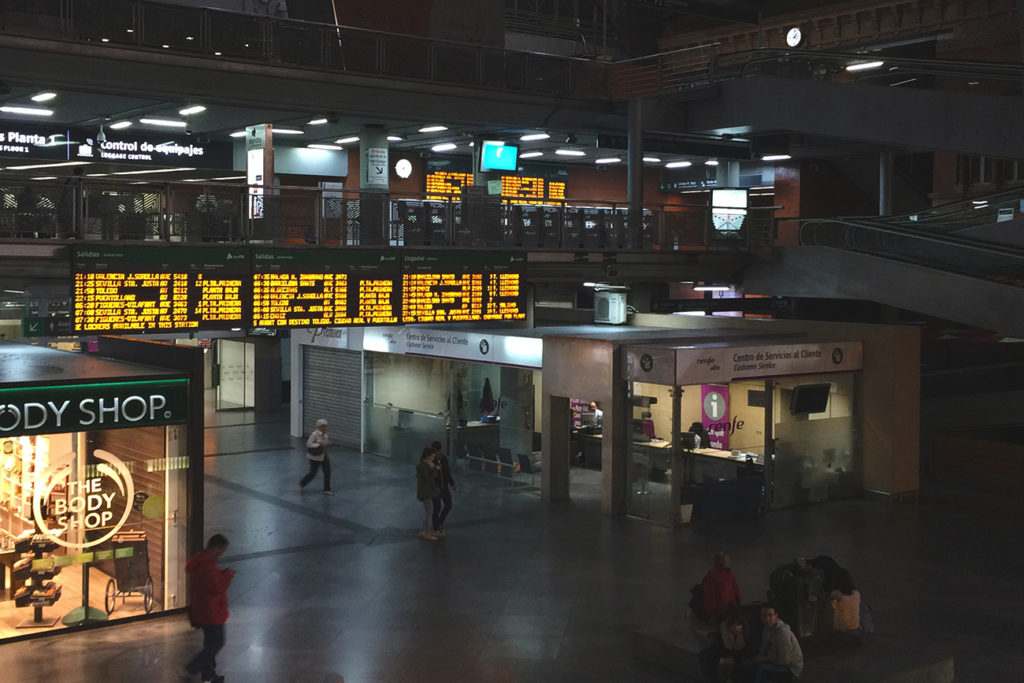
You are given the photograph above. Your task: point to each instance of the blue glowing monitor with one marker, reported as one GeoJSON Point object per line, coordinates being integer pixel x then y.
{"type": "Point", "coordinates": [497, 156]}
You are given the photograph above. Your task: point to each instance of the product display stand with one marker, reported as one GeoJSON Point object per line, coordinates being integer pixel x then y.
{"type": "Point", "coordinates": [84, 614]}
{"type": "Point", "coordinates": [40, 592]}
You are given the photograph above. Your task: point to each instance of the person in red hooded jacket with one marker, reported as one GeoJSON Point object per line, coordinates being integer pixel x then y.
{"type": "Point", "coordinates": [208, 608]}
{"type": "Point", "coordinates": [720, 589]}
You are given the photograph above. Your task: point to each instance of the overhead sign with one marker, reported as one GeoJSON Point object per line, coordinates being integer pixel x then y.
{"type": "Point", "coordinates": [60, 143]}
{"type": "Point", "coordinates": [463, 286]}
{"type": "Point", "coordinates": [499, 349]}
{"type": "Point", "coordinates": [79, 407]}
{"type": "Point", "coordinates": [376, 168]}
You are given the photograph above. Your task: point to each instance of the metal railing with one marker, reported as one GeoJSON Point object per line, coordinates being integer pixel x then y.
{"type": "Point", "coordinates": [93, 209]}
{"type": "Point", "coordinates": [220, 34]}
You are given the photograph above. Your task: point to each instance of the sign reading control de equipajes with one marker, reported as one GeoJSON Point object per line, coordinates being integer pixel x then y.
{"type": "Point", "coordinates": [79, 407]}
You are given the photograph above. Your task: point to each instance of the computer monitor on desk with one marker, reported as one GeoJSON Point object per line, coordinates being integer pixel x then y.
{"type": "Point", "coordinates": [688, 440]}
{"type": "Point", "coordinates": [588, 419]}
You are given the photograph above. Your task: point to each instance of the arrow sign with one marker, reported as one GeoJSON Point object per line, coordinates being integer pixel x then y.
{"type": "Point", "coordinates": [33, 326]}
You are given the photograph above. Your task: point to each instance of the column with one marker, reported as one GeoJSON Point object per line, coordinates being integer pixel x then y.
{"type": "Point", "coordinates": [886, 163]}
{"type": "Point", "coordinates": [554, 480]}
{"type": "Point", "coordinates": [635, 170]}
{"type": "Point", "coordinates": [373, 185]}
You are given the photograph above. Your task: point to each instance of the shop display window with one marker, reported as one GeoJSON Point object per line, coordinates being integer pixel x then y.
{"type": "Point", "coordinates": [92, 526]}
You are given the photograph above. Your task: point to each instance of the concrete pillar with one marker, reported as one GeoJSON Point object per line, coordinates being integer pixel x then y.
{"type": "Point", "coordinates": [635, 168]}
{"type": "Point", "coordinates": [614, 448]}
{"type": "Point", "coordinates": [373, 184]}
{"type": "Point", "coordinates": [267, 377]}
{"type": "Point", "coordinates": [554, 479]}
{"type": "Point", "coordinates": [886, 163]}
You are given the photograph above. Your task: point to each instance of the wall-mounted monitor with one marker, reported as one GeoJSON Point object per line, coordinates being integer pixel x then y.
{"type": "Point", "coordinates": [497, 156]}
{"type": "Point", "coordinates": [809, 398]}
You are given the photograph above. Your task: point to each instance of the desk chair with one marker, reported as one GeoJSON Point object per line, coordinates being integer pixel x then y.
{"type": "Point", "coordinates": [526, 467]}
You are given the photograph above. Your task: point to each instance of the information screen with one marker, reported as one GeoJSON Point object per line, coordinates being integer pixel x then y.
{"type": "Point", "coordinates": [442, 287]}
{"type": "Point", "coordinates": [325, 287]}
{"type": "Point", "coordinates": [159, 289]}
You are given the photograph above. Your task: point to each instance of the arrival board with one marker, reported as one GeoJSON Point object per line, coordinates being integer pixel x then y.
{"type": "Point", "coordinates": [159, 289]}
{"type": "Point", "coordinates": [440, 287]}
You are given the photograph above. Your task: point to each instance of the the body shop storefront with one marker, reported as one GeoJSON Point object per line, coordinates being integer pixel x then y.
{"type": "Point", "coordinates": [94, 504]}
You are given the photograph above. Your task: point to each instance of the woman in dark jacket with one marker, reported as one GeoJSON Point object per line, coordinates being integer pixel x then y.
{"type": "Point", "coordinates": [427, 491]}
{"type": "Point", "coordinates": [447, 484]}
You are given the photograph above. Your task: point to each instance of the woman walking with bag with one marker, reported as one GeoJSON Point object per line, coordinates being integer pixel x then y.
{"type": "Point", "coordinates": [428, 491]}
{"type": "Point", "coordinates": [316, 451]}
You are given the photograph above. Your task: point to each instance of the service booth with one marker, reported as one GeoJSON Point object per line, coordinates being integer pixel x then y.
{"type": "Point", "coordinates": [100, 483]}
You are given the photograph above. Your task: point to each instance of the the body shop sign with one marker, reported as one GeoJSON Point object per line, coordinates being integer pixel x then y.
{"type": "Point", "coordinates": [79, 407]}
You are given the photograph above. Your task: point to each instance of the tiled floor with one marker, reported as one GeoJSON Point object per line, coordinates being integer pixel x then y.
{"type": "Point", "coordinates": [340, 588]}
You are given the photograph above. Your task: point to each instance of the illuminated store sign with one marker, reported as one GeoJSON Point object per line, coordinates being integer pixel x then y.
{"type": "Point", "coordinates": [303, 288]}
{"type": "Point", "coordinates": [76, 407]}
{"type": "Point", "coordinates": [159, 290]}
{"type": "Point", "coordinates": [56, 143]}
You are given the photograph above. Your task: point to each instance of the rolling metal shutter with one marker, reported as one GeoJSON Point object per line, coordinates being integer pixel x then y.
{"type": "Point", "coordinates": [332, 387]}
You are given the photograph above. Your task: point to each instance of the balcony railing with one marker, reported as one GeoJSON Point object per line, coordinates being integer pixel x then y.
{"type": "Point", "coordinates": [91, 209]}
{"type": "Point", "coordinates": [218, 34]}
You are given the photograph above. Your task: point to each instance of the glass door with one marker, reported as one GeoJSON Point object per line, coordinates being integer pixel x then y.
{"type": "Point", "coordinates": [234, 374]}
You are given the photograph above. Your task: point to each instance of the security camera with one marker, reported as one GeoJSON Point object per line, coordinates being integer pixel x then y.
{"type": "Point", "coordinates": [101, 137]}
{"type": "Point", "coordinates": [188, 127]}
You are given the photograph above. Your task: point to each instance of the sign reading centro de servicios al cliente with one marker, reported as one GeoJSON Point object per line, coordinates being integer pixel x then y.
{"type": "Point", "coordinates": [80, 407]}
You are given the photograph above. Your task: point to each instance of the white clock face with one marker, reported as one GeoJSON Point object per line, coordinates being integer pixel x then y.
{"type": "Point", "coordinates": [403, 167]}
{"type": "Point", "coordinates": [794, 37]}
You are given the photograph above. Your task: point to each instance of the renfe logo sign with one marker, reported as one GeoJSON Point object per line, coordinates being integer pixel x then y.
{"type": "Point", "coordinates": [88, 504]}
{"type": "Point", "coordinates": [76, 407]}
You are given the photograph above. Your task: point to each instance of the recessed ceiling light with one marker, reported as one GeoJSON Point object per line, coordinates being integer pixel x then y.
{"type": "Point", "coordinates": [119, 125]}
{"type": "Point", "coordinates": [570, 153]}
{"type": "Point", "coordinates": [230, 177]}
{"type": "Point", "coordinates": [317, 122]}
{"type": "Point", "coordinates": [44, 177]}
{"type": "Point", "coordinates": [608, 160]}
{"type": "Point", "coordinates": [62, 163]}
{"type": "Point", "coordinates": [712, 288]}
{"type": "Point", "coordinates": [394, 138]}
{"type": "Point", "coordinates": [194, 109]}
{"type": "Point", "coordinates": [217, 54]}
{"type": "Point", "coordinates": [444, 147]}
{"type": "Point", "coordinates": [678, 164]}
{"type": "Point", "coordinates": [711, 162]}
{"type": "Point", "coordinates": [288, 131]}
{"type": "Point", "coordinates": [316, 145]}
{"type": "Point", "coordinates": [166, 123]}
{"type": "Point", "coordinates": [433, 129]}
{"type": "Point", "coordinates": [237, 134]}
{"type": "Point", "coordinates": [530, 155]}
{"type": "Point", "coordinates": [348, 140]}
{"type": "Point", "coordinates": [861, 66]}
{"type": "Point", "coordinates": [775, 157]}
{"type": "Point", "coordinates": [26, 111]}
{"type": "Point", "coordinates": [534, 136]}
{"type": "Point", "coordinates": [153, 170]}
{"type": "Point", "coordinates": [44, 96]}
{"type": "Point", "coordinates": [652, 160]}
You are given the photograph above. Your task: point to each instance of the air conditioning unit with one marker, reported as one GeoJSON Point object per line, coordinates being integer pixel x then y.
{"type": "Point", "coordinates": [610, 307]}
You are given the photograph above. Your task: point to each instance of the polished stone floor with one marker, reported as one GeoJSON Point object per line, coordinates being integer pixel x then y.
{"type": "Point", "coordinates": [340, 588]}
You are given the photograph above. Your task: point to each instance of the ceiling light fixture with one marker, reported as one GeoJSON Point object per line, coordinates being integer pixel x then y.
{"type": "Point", "coordinates": [530, 137]}
{"type": "Point", "coordinates": [288, 131]}
{"type": "Point", "coordinates": [608, 160]}
{"type": "Point", "coordinates": [192, 109]}
{"type": "Point", "coordinates": [26, 111]}
{"type": "Point", "coordinates": [862, 66]}
{"type": "Point", "coordinates": [711, 162]}
{"type": "Point", "coordinates": [165, 123]}
{"type": "Point", "coordinates": [433, 129]}
{"type": "Point", "coordinates": [45, 177]}
{"type": "Point", "coordinates": [230, 177]}
{"type": "Point", "coordinates": [347, 141]}
{"type": "Point", "coordinates": [652, 160]}
{"type": "Point", "coordinates": [394, 138]}
{"type": "Point", "coordinates": [444, 147]}
{"type": "Point", "coordinates": [153, 170]}
{"type": "Point", "coordinates": [530, 155]}
{"type": "Point", "coordinates": [120, 125]}
{"type": "Point", "coordinates": [317, 122]}
{"type": "Point", "coordinates": [678, 164]}
{"type": "Point", "coordinates": [44, 96]}
{"type": "Point", "coordinates": [237, 134]}
{"type": "Point", "coordinates": [334, 148]}
{"type": "Point", "coordinates": [570, 153]}
{"type": "Point", "coordinates": [62, 163]}
{"type": "Point", "coordinates": [712, 288]}
{"type": "Point", "coordinates": [776, 157]}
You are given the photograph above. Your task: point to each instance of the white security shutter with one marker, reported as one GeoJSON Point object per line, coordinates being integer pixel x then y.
{"type": "Point", "coordinates": [332, 388]}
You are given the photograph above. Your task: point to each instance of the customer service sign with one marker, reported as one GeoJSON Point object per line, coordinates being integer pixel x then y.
{"type": "Point", "coordinates": [80, 407]}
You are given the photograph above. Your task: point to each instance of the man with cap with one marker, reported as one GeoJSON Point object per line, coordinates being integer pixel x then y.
{"type": "Point", "coordinates": [316, 451]}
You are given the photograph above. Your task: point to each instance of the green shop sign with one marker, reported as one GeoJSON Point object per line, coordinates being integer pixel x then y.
{"type": "Point", "coordinates": [79, 407]}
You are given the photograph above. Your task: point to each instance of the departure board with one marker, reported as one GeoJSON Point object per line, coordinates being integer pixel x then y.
{"type": "Point", "coordinates": [450, 286]}
{"type": "Point", "coordinates": [159, 289]}
{"type": "Point", "coordinates": [325, 287]}
{"type": "Point", "coordinates": [515, 189]}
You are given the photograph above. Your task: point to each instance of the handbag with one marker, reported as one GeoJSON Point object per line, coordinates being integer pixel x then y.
{"type": "Point", "coordinates": [315, 450]}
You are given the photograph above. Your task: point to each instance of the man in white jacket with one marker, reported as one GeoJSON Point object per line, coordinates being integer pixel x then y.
{"type": "Point", "coordinates": [780, 657]}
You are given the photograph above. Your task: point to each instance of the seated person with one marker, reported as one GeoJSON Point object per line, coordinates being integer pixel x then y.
{"type": "Point", "coordinates": [720, 590]}
{"type": "Point", "coordinates": [780, 657]}
{"type": "Point", "coordinates": [845, 604]}
{"type": "Point", "coordinates": [703, 439]}
{"type": "Point", "coordinates": [716, 661]}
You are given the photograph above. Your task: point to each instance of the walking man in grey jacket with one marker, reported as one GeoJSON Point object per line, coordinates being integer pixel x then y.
{"type": "Point", "coordinates": [780, 657]}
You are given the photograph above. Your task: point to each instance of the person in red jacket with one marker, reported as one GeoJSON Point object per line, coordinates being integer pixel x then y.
{"type": "Point", "coordinates": [208, 608]}
{"type": "Point", "coordinates": [720, 589]}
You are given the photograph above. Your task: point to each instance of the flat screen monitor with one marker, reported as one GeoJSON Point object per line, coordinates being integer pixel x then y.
{"type": "Point", "coordinates": [587, 418]}
{"type": "Point", "coordinates": [688, 440]}
{"type": "Point", "coordinates": [809, 398]}
{"type": "Point", "coordinates": [497, 156]}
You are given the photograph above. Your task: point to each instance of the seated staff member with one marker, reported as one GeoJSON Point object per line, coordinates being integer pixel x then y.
{"type": "Point", "coordinates": [703, 439]}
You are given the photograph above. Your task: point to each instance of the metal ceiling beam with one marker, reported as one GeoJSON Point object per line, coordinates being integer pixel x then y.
{"type": "Point", "coordinates": [705, 10]}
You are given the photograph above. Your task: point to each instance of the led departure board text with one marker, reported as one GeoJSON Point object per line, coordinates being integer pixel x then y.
{"type": "Point", "coordinates": [436, 291]}
{"type": "Point", "coordinates": [515, 189]}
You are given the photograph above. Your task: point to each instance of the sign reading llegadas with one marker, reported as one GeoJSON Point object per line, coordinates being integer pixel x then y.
{"type": "Point", "coordinates": [79, 407]}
